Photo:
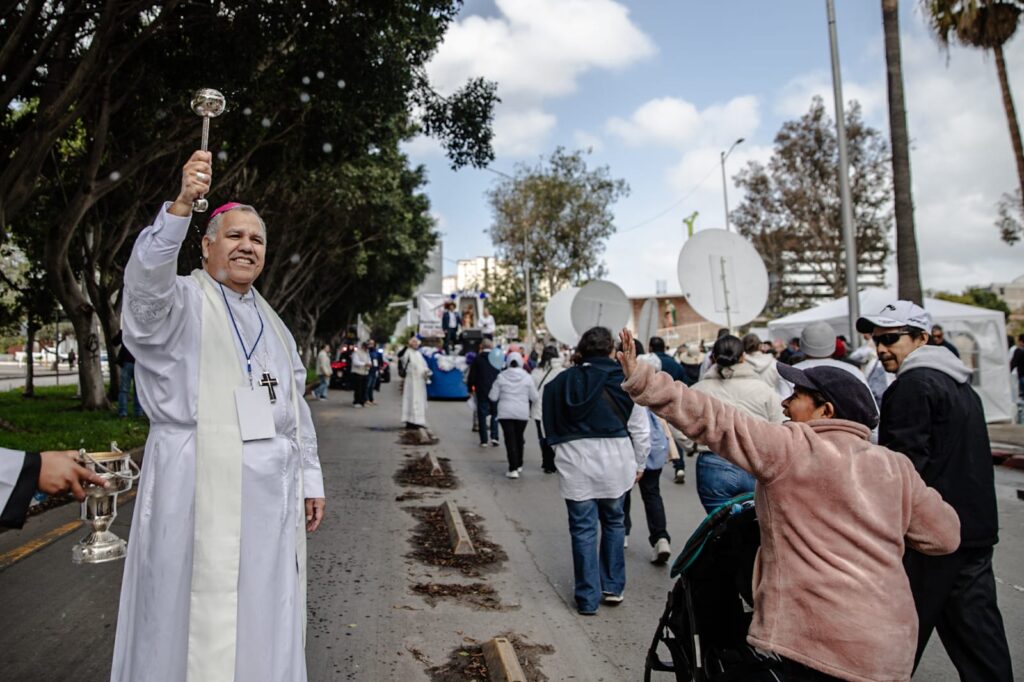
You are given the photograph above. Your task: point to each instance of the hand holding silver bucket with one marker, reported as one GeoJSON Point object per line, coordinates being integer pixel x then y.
{"type": "Point", "coordinates": [99, 508]}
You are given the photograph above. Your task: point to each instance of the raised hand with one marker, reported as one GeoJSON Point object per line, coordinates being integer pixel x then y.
{"type": "Point", "coordinates": [196, 179]}
{"type": "Point", "coordinates": [627, 356]}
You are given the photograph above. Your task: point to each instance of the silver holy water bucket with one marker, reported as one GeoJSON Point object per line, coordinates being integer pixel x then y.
{"type": "Point", "coordinates": [99, 509]}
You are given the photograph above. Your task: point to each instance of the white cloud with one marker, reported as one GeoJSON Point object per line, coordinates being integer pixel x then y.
{"type": "Point", "coordinates": [539, 48]}
{"type": "Point", "coordinates": [795, 98]}
{"type": "Point", "coordinates": [521, 133]}
{"type": "Point", "coordinates": [678, 123]}
{"type": "Point", "coordinates": [585, 140]}
{"type": "Point", "coordinates": [536, 50]}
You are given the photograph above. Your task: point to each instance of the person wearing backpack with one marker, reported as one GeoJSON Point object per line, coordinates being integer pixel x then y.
{"type": "Point", "coordinates": [650, 483]}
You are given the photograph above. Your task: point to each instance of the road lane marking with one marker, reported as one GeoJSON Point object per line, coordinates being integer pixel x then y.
{"type": "Point", "coordinates": [9, 558]}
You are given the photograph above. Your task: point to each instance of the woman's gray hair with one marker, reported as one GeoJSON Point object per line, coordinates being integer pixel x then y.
{"type": "Point", "coordinates": [651, 359]}
{"type": "Point", "coordinates": [213, 227]}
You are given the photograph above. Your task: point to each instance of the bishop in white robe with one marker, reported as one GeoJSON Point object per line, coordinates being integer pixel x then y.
{"type": "Point", "coordinates": [214, 581]}
{"type": "Point", "coordinates": [414, 386]}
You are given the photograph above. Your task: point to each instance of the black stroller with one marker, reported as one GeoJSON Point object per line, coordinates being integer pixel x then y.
{"type": "Point", "coordinates": [709, 609]}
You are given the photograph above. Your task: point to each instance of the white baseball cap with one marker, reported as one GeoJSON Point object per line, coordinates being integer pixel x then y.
{"type": "Point", "coordinates": [897, 314]}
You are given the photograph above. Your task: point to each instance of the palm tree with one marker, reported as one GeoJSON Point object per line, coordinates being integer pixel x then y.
{"type": "Point", "coordinates": [903, 205]}
{"type": "Point", "coordinates": [988, 25]}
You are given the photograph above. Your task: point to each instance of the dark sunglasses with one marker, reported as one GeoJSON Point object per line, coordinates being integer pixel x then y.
{"type": "Point", "coordinates": [889, 339]}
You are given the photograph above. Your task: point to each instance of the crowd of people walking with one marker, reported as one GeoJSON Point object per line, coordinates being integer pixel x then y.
{"type": "Point", "coordinates": [889, 436]}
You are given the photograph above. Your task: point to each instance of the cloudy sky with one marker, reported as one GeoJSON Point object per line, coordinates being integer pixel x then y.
{"type": "Point", "coordinates": [658, 88]}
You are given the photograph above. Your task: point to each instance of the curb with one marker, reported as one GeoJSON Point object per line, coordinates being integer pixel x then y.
{"type": "Point", "coordinates": [457, 533]}
{"type": "Point", "coordinates": [502, 662]}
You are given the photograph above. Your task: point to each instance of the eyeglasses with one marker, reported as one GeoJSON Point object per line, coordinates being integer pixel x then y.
{"type": "Point", "coordinates": [889, 339]}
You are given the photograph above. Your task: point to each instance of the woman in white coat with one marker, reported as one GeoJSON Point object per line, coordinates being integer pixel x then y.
{"type": "Point", "coordinates": [514, 392]}
{"type": "Point", "coordinates": [551, 365]}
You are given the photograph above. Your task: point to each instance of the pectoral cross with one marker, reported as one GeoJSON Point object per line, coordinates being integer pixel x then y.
{"type": "Point", "coordinates": [269, 381]}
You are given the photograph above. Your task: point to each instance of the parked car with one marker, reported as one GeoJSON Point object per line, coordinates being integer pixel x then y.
{"type": "Point", "coordinates": [340, 372]}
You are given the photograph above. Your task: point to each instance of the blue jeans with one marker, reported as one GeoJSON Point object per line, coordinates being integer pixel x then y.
{"type": "Point", "coordinates": [371, 383]}
{"type": "Point", "coordinates": [128, 384]}
{"type": "Point", "coordinates": [485, 407]}
{"type": "Point", "coordinates": [597, 566]}
{"type": "Point", "coordinates": [321, 389]}
{"type": "Point", "coordinates": [718, 481]}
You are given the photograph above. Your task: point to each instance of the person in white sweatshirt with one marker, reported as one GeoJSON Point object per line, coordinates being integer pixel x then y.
{"type": "Point", "coordinates": [515, 392]}
{"type": "Point", "coordinates": [551, 365]}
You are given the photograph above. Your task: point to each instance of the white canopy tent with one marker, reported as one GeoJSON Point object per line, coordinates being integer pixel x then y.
{"type": "Point", "coordinates": [978, 333]}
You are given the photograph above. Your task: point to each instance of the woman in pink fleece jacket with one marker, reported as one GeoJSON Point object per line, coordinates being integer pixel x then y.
{"type": "Point", "coordinates": [836, 512]}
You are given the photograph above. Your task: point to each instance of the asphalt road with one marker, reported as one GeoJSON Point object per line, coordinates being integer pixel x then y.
{"type": "Point", "coordinates": [365, 622]}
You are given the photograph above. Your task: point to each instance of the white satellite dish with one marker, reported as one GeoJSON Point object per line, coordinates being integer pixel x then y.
{"type": "Point", "coordinates": [600, 304]}
{"type": "Point", "coordinates": [723, 277]}
{"type": "Point", "coordinates": [558, 316]}
{"type": "Point", "coordinates": [647, 321]}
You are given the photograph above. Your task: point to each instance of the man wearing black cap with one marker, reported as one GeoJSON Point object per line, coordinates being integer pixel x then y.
{"type": "Point", "coordinates": [933, 416]}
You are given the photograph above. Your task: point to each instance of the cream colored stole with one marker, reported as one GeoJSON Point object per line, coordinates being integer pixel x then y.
{"type": "Point", "coordinates": [213, 607]}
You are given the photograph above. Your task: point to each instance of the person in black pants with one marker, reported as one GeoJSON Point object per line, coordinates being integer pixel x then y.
{"type": "Point", "coordinates": [480, 379]}
{"type": "Point", "coordinates": [933, 416]}
{"type": "Point", "coordinates": [514, 392]}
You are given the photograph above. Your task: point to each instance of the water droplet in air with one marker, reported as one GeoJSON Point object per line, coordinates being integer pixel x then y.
{"type": "Point", "coordinates": [305, 80]}
{"type": "Point", "coordinates": [328, 147]}
{"type": "Point", "coordinates": [294, 259]}
{"type": "Point", "coordinates": [304, 97]}
{"type": "Point", "coordinates": [341, 83]}
{"type": "Point", "coordinates": [265, 122]}
{"type": "Point", "coordinates": [115, 176]}
{"type": "Point", "coordinates": [247, 111]}
{"type": "Point", "coordinates": [320, 75]}
{"type": "Point", "coordinates": [222, 155]}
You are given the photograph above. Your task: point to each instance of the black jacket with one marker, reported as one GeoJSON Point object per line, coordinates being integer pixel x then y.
{"type": "Point", "coordinates": [16, 509]}
{"type": "Point", "coordinates": [674, 369]}
{"type": "Point", "coordinates": [481, 376]}
{"type": "Point", "coordinates": [933, 416]}
{"type": "Point", "coordinates": [587, 401]}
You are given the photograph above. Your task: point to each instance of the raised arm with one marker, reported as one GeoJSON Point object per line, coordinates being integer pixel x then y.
{"type": "Point", "coordinates": [757, 446]}
{"type": "Point", "coordinates": [149, 278]}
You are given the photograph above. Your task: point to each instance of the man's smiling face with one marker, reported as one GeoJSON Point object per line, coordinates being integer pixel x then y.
{"type": "Point", "coordinates": [235, 257]}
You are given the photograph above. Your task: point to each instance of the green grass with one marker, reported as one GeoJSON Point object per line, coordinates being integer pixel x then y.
{"type": "Point", "coordinates": [54, 420]}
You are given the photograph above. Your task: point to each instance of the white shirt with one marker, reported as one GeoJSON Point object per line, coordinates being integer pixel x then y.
{"type": "Point", "coordinates": [487, 324]}
{"type": "Point", "coordinates": [604, 468]}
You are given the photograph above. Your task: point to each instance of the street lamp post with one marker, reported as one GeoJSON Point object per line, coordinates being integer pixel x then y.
{"type": "Point", "coordinates": [849, 239]}
{"type": "Point", "coordinates": [526, 269]}
{"type": "Point", "coordinates": [725, 194]}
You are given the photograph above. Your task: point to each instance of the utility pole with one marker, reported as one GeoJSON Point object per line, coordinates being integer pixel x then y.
{"type": "Point", "coordinates": [849, 241]}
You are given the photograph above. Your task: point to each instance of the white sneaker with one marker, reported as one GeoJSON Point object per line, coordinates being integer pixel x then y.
{"type": "Point", "coordinates": [495, 443]}
{"type": "Point", "coordinates": [483, 445]}
{"type": "Point", "coordinates": [680, 476]}
{"type": "Point", "coordinates": [611, 599]}
{"type": "Point", "coordinates": [519, 470]}
{"type": "Point", "coordinates": [625, 542]}
{"type": "Point", "coordinates": [662, 551]}
{"type": "Point", "coordinates": [511, 474]}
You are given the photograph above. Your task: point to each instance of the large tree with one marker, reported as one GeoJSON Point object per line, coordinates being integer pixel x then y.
{"type": "Point", "coordinates": [792, 211]}
{"type": "Point", "coordinates": [555, 216]}
{"type": "Point", "coordinates": [101, 123]}
{"type": "Point", "coordinates": [988, 25]}
{"type": "Point", "coordinates": [907, 265]}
